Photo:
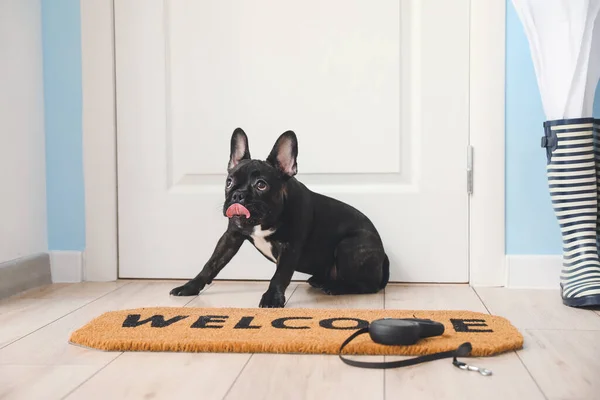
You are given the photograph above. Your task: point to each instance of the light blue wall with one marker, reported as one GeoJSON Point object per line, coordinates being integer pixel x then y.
{"type": "Point", "coordinates": [62, 87]}
{"type": "Point", "coordinates": [531, 227]}
{"type": "Point", "coordinates": [530, 224]}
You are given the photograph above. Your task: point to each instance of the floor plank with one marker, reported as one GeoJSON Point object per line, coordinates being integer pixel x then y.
{"type": "Point", "coordinates": [270, 376]}
{"type": "Point", "coordinates": [564, 363]}
{"type": "Point", "coordinates": [441, 380]}
{"type": "Point", "coordinates": [440, 297]}
{"type": "Point", "coordinates": [289, 376]}
{"type": "Point", "coordinates": [61, 290]}
{"type": "Point", "coordinates": [25, 382]}
{"type": "Point", "coordinates": [537, 309]}
{"type": "Point", "coordinates": [27, 312]}
{"type": "Point", "coordinates": [306, 296]}
{"type": "Point", "coordinates": [49, 345]}
{"type": "Point", "coordinates": [164, 376]}
{"type": "Point", "coordinates": [510, 379]}
{"type": "Point", "coordinates": [235, 294]}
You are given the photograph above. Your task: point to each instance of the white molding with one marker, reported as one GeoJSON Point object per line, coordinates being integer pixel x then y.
{"type": "Point", "coordinates": [99, 140]}
{"type": "Point", "coordinates": [487, 32]}
{"type": "Point", "coordinates": [66, 266]}
{"type": "Point", "coordinates": [533, 271]}
{"type": "Point", "coordinates": [487, 225]}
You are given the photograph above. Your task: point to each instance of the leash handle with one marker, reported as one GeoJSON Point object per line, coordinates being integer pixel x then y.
{"type": "Point", "coordinates": [462, 351]}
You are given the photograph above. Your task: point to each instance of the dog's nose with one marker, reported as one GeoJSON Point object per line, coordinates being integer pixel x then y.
{"type": "Point", "coordinates": [238, 197]}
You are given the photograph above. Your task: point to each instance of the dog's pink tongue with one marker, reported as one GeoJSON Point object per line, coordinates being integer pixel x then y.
{"type": "Point", "coordinates": [237, 209]}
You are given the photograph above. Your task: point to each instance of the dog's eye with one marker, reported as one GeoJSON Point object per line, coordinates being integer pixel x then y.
{"type": "Point", "coordinates": [261, 185]}
{"type": "Point", "coordinates": [229, 183]}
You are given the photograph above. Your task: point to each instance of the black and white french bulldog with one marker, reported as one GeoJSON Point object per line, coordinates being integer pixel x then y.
{"type": "Point", "coordinates": [294, 227]}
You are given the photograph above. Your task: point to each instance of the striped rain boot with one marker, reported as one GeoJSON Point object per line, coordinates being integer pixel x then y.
{"type": "Point", "coordinates": [596, 135]}
{"type": "Point", "coordinates": [572, 180]}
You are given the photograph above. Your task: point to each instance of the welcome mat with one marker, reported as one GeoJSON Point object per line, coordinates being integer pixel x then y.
{"type": "Point", "coordinates": [285, 330]}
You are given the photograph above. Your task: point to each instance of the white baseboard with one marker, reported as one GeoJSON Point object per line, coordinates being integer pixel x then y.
{"type": "Point", "coordinates": [533, 271]}
{"type": "Point", "coordinates": [66, 266]}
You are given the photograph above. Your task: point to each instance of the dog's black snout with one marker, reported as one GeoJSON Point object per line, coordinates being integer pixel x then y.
{"type": "Point", "coordinates": [238, 197]}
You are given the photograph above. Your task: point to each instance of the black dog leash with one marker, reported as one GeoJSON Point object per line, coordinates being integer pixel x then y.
{"type": "Point", "coordinates": [462, 351]}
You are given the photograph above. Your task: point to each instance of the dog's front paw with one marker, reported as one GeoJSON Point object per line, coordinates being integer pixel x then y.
{"type": "Point", "coordinates": [272, 299]}
{"type": "Point", "coordinates": [189, 289]}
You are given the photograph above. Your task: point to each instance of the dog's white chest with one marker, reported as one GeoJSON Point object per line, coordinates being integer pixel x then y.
{"type": "Point", "coordinates": [261, 244]}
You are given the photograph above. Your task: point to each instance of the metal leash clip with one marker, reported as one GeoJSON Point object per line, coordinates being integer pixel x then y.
{"type": "Point", "coordinates": [466, 367]}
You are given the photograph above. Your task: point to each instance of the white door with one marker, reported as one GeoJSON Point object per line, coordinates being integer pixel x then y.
{"type": "Point", "coordinates": [376, 91]}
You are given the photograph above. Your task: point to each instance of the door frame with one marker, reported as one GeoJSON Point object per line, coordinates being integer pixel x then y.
{"type": "Point", "coordinates": [487, 266]}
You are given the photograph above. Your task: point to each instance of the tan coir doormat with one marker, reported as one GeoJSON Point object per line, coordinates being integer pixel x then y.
{"type": "Point", "coordinates": [285, 330]}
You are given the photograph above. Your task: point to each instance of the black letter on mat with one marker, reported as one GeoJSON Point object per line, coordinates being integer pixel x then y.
{"type": "Point", "coordinates": [204, 320]}
{"type": "Point", "coordinates": [280, 323]}
{"type": "Point", "coordinates": [246, 323]}
{"type": "Point", "coordinates": [328, 323]}
{"type": "Point", "coordinates": [464, 325]}
{"type": "Point", "coordinates": [158, 321]}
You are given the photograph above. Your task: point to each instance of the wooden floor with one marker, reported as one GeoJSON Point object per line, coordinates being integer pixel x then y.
{"type": "Point", "coordinates": [561, 358]}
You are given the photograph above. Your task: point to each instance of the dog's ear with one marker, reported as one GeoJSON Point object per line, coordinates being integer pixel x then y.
{"type": "Point", "coordinates": [239, 148]}
{"type": "Point", "coordinates": [284, 154]}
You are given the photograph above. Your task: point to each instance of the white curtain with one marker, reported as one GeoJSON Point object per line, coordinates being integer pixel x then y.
{"type": "Point", "coordinates": [564, 39]}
